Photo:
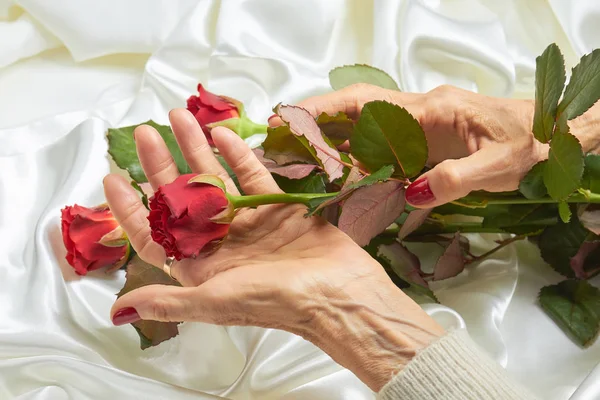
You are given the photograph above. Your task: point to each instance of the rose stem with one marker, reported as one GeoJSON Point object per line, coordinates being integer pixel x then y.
{"type": "Point", "coordinates": [278, 198]}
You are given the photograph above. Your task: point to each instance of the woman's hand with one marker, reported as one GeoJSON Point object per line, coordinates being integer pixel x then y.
{"type": "Point", "coordinates": [475, 142]}
{"type": "Point", "coordinates": [276, 269]}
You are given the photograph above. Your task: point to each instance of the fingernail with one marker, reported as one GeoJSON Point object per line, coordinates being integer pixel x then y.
{"type": "Point", "coordinates": [125, 316]}
{"type": "Point", "coordinates": [271, 117]}
{"type": "Point", "coordinates": [419, 193]}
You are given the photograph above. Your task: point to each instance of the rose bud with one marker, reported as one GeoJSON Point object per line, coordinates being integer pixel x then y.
{"type": "Point", "coordinates": [209, 108]}
{"type": "Point", "coordinates": [93, 238]}
{"type": "Point", "coordinates": [190, 216]}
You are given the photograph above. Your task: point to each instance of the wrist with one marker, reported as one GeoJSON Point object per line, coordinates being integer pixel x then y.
{"type": "Point", "coordinates": [587, 129]}
{"type": "Point", "coordinates": [372, 328]}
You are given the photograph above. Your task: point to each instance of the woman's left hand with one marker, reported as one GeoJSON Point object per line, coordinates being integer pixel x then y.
{"type": "Point", "coordinates": [275, 269]}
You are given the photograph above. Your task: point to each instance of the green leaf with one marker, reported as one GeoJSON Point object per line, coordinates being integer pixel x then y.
{"type": "Point", "coordinates": [139, 274]}
{"type": "Point", "coordinates": [338, 128]}
{"type": "Point", "coordinates": [283, 147]}
{"type": "Point", "coordinates": [563, 172]}
{"type": "Point", "coordinates": [347, 75]}
{"type": "Point", "coordinates": [314, 183]}
{"type": "Point", "coordinates": [137, 187]}
{"type": "Point", "coordinates": [387, 134]}
{"type": "Point", "coordinates": [559, 243]}
{"type": "Point", "coordinates": [564, 211]}
{"type": "Point", "coordinates": [575, 306]}
{"type": "Point", "coordinates": [591, 174]}
{"type": "Point", "coordinates": [380, 176]}
{"type": "Point", "coordinates": [520, 215]}
{"type": "Point", "coordinates": [550, 79]}
{"type": "Point", "coordinates": [532, 186]}
{"type": "Point", "coordinates": [121, 147]}
{"type": "Point", "coordinates": [583, 89]}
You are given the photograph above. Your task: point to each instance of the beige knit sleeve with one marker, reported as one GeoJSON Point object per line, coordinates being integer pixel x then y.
{"type": "Point", "coordinates": [453, 368]}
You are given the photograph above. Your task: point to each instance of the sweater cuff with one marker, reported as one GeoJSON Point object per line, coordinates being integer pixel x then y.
{"type": "Point", "coordinates": [453, 368]}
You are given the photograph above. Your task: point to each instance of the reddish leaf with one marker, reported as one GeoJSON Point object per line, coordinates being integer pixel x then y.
{"type": "Point", "coordinates": [578, 260]}
{"type": "Point", "coordinates": [293, 171]}
{"type": "Point", "coordinates": [354, 181]}
{"type": "Point", "coordinates": [140, 273]}
{"type": "Point", "coordinates": [331, 213]}
{"type": "Point", "coordinates": [414, 220]}
{"type": "Point", "coordinates": [371, 209]}
{"type": "Point", "coordinates": [452, 262]}
{"type": "Point", "coordinates": [404, 263]}
{"type": "Point", "coordinates": [302, 124]}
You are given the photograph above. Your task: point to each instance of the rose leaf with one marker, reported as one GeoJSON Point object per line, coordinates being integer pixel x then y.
{"type": "Point", "coordinates": [575, 306]}
{"type": "Point", "coordinates": [347, 75]}
{"type": "Point", "coordinates": [451, 262]}
{"type": "Point", "coordinates": [550, 78]}
{"type": "Point", "coordinates": [371, 209]}
{"type": "Point", "coordinates": [139, 274]}
{"type": "Point", "coordinates": [121, 147]}
{"type": "Point", "coordinates": [583, 89]}
{"type": "Point", "coordinates": [305, 128]}
{"type": "Point", "coordinates": [387, 134]}
{"type": "Point", "coordinates": [563, 172]}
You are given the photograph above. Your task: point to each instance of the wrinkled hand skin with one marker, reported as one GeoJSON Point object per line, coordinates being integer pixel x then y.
{"type": "Point", "coordinates": [275, 269]}
{"type": "Point", "coordinates": [476, 142]}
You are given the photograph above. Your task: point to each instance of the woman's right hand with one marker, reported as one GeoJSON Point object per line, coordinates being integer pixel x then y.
{"type": "Point", "coordinates": [275, 269]}
{"type": "Point", "coordinates": [475, 142]}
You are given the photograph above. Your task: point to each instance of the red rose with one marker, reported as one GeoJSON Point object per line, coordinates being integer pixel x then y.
{"type": "Point", "coordinates": [183, 214]}
{"type": "Point", "coordinates": [209, 108]}
{"type": "Point", "coordinates": [83, 230]}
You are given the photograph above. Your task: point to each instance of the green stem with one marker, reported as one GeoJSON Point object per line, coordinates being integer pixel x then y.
{"type": "Point", "coordinates": [277, 198]}
{"type": "Point", "coordinates": [482, 201]}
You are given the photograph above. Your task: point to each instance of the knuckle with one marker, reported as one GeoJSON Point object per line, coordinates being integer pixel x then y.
{"type": "Point", "coordinates": [159, 166]}
{"type": "Point", "coordinates": [444, 90]}
{"type": "Point", "coordinates": [161, 309]}
{"type": "Point", "coordinates": [449, 177]}
{"type": "Point", "coordinates": [199, 149]}
{"type": "Point", "coordinates": [360, 87]}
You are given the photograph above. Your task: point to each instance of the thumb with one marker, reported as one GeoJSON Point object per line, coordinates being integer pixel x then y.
{"type": "Point", "coordinates": [493, 168]}
{"type": "Point", "coordinates": [164, 303]}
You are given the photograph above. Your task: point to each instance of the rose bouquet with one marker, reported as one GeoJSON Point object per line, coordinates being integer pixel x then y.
{"type": "Point", "coordinates": [361, 188]}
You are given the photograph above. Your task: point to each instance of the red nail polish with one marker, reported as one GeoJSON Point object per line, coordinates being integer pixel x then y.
{"type": "Point", "coordinates": [419, 193]}
{"type": "Point", "coordinates": [125, 316]}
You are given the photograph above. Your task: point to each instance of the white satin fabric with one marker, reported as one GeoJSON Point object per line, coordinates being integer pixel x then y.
{"type": "Point", "coordinates": [69, 69]}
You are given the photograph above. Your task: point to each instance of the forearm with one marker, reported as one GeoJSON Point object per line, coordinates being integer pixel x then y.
{"type": "Point", "coordinates": [393, 346]}
{"type": "Point", "coordinates": [587, 129]}
{"type": "Point", "coordinates": [374, 334]}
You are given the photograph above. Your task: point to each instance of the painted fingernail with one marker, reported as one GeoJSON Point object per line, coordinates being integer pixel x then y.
{"type": "Point", "coordinates": [419, 193]}
{"type": "Point", "coordinates": [125, 316]}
